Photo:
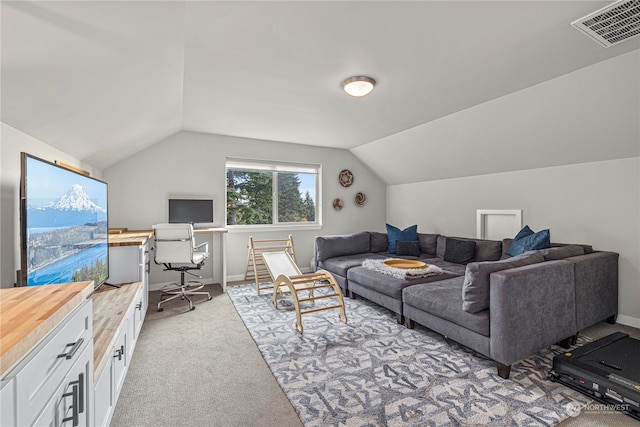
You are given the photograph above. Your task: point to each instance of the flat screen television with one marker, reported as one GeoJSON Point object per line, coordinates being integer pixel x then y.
{"type": "Point", "coordinates": [64, 228]}
{"type": "Point", "coordinates": [198, 212]}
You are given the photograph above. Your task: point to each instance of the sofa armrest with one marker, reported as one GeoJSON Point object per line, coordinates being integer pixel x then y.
{"type": "Point", "coordinates": [531, 307]}
{"type": "Point", "coordinates": [596, 287]}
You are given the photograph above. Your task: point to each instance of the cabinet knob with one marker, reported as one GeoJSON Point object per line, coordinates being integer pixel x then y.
{"type": "Point", "coordinates": [139, 306]}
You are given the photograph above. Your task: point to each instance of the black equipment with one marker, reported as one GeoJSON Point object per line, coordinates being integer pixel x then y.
{"type": "Point", "coordinates": [607, 370]}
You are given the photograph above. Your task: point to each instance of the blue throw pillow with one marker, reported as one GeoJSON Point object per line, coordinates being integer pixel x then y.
{"type": "Point", "coordinates": [527, 240]}
{"type": "Point", "coordinates": [409, 234]}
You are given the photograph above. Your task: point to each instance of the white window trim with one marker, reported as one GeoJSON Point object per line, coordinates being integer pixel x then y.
{"type": "Point", "coordinates": [278, 166]}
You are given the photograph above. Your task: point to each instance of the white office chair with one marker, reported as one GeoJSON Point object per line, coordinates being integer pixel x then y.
{"type": "Point", "coordinates": [175, 244]}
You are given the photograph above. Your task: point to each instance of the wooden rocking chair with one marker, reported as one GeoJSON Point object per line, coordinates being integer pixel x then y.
{"type": "Point", "coordinates": [287, 278]}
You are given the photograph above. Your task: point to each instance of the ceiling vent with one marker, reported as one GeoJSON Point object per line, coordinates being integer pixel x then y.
{"type": "Point", "coordinates": [613, 24]}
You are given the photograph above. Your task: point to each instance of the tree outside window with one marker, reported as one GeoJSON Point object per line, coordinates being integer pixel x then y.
{"type": "Point", "coordinates": [270, 194]}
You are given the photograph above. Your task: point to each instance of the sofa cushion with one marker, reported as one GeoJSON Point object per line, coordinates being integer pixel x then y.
{"type": "Point", "coordinates": [387, 285]}
{"type": "Point", "coordinates": [407, 248]}
{"type": "Point", "coordinates": [488, 250]}
{"type": "Point", "coordinates": [459, 251]}
{"type": "Point", "coordinates": [457, 269]}
{"type": "Point", "coordinates": [561, 252]}
{"type": "Point", "coordinates": [409, 234]}
{"type": "Point", "coordinates": [526, 240]}
{"type": "Point", "coordinates": [428, 243]}
{"type": "Point", "coordinates": [341, 264]}
{"type": "Point", "coordinates": [341, 245]}
{"type": "Point", "coordinates": [506, 245]}
{"type": "Point", "coordinates": [475, 291]}
{"type": "Point", "coordinates": [379, 241]}
{"type": "Point", "coordinates": [444, 299]}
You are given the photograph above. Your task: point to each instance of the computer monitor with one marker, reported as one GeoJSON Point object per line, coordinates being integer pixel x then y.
{"type": "Point", "coordinates": [198, 212]}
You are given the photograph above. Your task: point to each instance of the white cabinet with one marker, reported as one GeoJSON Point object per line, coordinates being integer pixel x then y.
{"type": "Point", "coordinates": [69, 405]}
{"type": "Point", "coordinates": [131, 264]}
{"type": "Point", "coordinates": [110, 377]}
{"type": "Point", "coordinates": [53, 383]}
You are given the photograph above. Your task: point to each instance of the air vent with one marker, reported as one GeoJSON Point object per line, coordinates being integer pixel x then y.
{"type": "Point", "coordinates": [613, 24]}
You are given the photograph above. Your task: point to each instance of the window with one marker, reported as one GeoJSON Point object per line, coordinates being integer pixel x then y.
{"type": "Point", "coordinates": [272, 193]}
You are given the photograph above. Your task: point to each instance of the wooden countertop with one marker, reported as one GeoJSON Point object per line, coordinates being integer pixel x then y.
{"type": "Point", "coordinates": [110, 305]}
{"type": "Point", "coordinates": [28, 314]}
{"type": "Point", "coordinates": [129, 237]}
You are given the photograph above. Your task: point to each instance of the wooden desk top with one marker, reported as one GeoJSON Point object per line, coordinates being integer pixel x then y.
{"type": "Point", "coordinates": [129, 237]}
{"type": "Point", "coordinates": [29, 313]}
{"type": "Point", "coordinates": [110, 305]}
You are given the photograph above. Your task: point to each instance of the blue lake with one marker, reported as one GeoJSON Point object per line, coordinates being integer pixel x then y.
{"type": "Point", "coordinates": [62, 271]}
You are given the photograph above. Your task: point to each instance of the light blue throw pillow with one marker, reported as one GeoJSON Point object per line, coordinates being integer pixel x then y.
{"type": "Point", "coordinates": [526, 240]}
{"type": "Point", "coordinates": [409, 234]}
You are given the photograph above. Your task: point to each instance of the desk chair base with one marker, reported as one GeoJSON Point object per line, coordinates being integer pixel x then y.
{"type": "Point", "coordinates": [183, 290]}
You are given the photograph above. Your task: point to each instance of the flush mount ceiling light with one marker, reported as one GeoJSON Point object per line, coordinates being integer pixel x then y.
{"type": "Point", "coordinates": [358, 86]}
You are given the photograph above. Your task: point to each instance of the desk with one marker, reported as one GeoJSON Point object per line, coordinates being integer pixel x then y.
{"type": "Point", "coordinates": [223, 251]}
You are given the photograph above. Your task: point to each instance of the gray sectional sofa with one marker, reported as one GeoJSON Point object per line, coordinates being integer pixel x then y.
{"type": "Point", "coordinates": [503, 307]}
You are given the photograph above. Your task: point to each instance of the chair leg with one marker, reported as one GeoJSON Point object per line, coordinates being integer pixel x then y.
{"type": "Point", "coordinates": [183, 293]}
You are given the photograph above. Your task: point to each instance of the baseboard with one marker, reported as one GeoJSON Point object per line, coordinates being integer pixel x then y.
{"type": "Point", "coordinates": [634, 322]}
{"type": "Point", "coordinates": [235, 278]}
{"type": "Point", "coordinates": [240, 277]}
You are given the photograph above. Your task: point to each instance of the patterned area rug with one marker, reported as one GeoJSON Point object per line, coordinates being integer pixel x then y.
{"type": "Point", "coordinates": [374, 372]}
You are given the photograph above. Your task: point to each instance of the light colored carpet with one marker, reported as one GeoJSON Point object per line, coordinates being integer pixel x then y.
{"type": "Point", "coordinates": [202, 368]}
{"type": "Point", "coordinates": [199, 368]}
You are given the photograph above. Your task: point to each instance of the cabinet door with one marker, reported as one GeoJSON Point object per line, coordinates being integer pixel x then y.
{"type": "Point", "coordinates": [104, 396]}
{"type": "Point", "coordinates": [72, 403]}
{"type": "Point", "coordinates": [120, 358]}
{"type": "Point", "coordinates": [7, 403]}
{"type": "Point", "coordinates": [45, 367]}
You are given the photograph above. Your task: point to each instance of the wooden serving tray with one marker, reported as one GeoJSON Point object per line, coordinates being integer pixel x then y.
{"type": "Point", "coordinates": [406, 264]}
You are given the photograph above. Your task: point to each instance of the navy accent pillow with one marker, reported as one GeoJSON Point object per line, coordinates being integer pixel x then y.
{"type": "Point", "coordinates": [408, 248]}
{"type": "Point", "coordinates": [526, 240]}
{"type": "Point", "coordinates": [459, 251]}
{"type": "Point", "coordinates": [409, 234]}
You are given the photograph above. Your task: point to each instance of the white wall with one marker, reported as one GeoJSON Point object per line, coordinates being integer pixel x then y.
{"type": "Point", "coordinates": [190, 164]}
{"type": "Point", "coordinates": [12, 142]}
{"type": "Point", "coordinates": [589, 115]}
{"type": "Point", "coordinates": [595, 203]}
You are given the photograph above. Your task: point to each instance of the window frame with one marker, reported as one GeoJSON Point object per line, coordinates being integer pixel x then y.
{"type": "Point", "coordinates": [275, 167]}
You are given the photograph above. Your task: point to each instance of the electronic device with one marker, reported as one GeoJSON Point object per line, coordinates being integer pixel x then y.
{"type": "Point", "coordinates": [607, 370]}
{"type": "Point", "coordinates": [64, 229]}
{"type": "Point", "coordinates": [198, 212]}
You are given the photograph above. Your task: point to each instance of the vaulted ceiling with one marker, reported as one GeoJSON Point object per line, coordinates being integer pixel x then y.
{"type": "Point", "coordinates": [101, 80]}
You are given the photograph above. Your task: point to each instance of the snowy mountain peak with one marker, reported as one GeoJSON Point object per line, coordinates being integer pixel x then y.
{"type": "Point", "coordinates": [75, 199]}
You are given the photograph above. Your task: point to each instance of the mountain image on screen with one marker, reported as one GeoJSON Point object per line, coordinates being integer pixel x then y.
{"type": "Point", "coordinates": [73, 208]}
{"type": "Point", "coordinates": [67, 238]}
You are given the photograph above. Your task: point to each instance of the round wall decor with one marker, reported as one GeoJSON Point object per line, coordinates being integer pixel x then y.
{"type": "Point", "coordinates": [360, 199]}
{"type": "Point", "coordinates": [345, 178]}
{"type": "Point", "coordinates": [337, 204]}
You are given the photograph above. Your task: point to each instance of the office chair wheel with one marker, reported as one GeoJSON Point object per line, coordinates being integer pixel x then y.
{"type": "Point", "coordinates": [210, 298]}
{"type": "Point", "coordinates": [161, 309]}
{"type": "Point", "coordinates": [192, 308]}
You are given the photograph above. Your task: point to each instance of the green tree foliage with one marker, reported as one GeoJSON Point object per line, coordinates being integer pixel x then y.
{"type": "Point", "coordinates": [98, 272]}
{"type": "Point", "coordinates": [250, 198]}
{"type": "Point", "coordinates": [290, 205]}
{"type": "Point", "coordinates": [309, 207]}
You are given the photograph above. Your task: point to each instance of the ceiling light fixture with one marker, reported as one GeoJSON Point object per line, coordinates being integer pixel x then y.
{"type": "Point", "coordinates": [358, 86]}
